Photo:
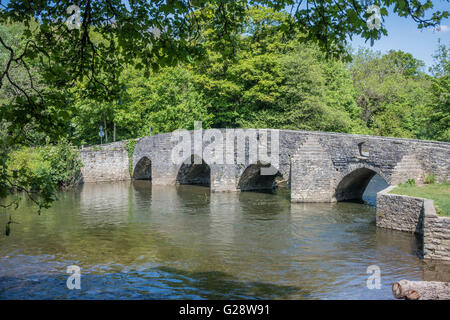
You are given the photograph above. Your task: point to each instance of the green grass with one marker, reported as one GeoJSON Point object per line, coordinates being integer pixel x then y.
{"type": "Point", "coordinates": [439, 192]}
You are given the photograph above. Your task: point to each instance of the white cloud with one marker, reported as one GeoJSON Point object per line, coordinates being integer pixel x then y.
{"type": "Point", "coordinates": [442, 28]}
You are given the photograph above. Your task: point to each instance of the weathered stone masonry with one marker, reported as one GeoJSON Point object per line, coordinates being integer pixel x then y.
{"type": "Point", "coordinates": [108, 162]}
{"type": "Point", "coordinates": [319, 166]}
{"type": "Point", "coordinates": [418, 215]}
{"type": "Point", "coordinates": [399, 212]}
{"type": "Point", "coordinates": [436, 233]}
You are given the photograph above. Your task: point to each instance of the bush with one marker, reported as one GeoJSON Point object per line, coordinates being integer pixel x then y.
{"type": "Point", "coordinates": [430, 179]}
{"type": "Point", "coordinates": [44, 168]}
{"type": "Point", "coordinates": [29, 169]}
{"type": "Point", "coordinates": [64, 162]}
{"type": "Point", "coordinates": [409, 183]}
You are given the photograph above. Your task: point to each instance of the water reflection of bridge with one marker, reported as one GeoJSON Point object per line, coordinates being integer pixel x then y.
{"type": "Point", "coordinates": [163, 219]}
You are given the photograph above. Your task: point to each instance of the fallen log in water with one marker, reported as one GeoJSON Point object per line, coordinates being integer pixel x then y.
{"type": "Point", "coordinates": [421, 290]}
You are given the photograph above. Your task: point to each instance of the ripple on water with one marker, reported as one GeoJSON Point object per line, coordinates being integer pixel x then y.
{"type": "Point", "coordinates": [135, 241]}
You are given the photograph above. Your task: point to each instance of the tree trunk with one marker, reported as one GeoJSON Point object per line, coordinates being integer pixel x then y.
{"type": "Point", "coordinates": [421, 290]}
{"type": "Point", "coordinates": [106, 130]}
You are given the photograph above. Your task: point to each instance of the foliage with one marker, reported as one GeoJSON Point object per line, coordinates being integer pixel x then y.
{"type": "Point", "coordinates": [439, 192]}
{"type": "Point", "coordinates": [38, 171]}
{"type": "Point", "coordinates": [166, 101]}
{"type": "Point", "coordinates": [147, 36]}
{"type": "Point", "coordinates": [12, 34]}
{"type": "Point", "coordinates": [58, 164]}
{"type": "Point", "coordinates": [430, 179]}
{"type": "Point", "coordinates": [129, 146]}
{"type": "Point", "coordinates": [393, 94]}
{"type": "Point", "coordinates": [29, 163]}
{"type": "Point", "coordinates": [150, 35]}
{"type": "Point", "coordinates": [408, 183]}
{"type": "Point", "coordinates": [274, 81]}
{"type": "Point", "coordinates": [64, 162]}
{"type": "Point", "coordinates": [441, 58]}
{"type": "Point", "coordinates": [270, 80]}
{"type": "Point", "coordinates": [439, 120]}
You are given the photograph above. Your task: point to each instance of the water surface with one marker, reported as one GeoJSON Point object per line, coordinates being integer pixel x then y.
{"type": "Point", "coordinates": [138, 241]}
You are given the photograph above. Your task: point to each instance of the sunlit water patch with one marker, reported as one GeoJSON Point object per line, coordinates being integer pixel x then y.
{"type": "Point", "coordinates": [138, 241]}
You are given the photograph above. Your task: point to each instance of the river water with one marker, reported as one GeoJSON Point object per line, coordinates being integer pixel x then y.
{"type": "Point", "coordinates": [133, 240]}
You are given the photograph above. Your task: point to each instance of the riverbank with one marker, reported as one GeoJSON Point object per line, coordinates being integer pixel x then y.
{"type": "Point", "coordinates": [438, 192]}
{"type": "Point", "coordinates": [415, 215]}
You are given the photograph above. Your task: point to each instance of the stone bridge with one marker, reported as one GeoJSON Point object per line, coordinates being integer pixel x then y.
{"type": "Point", "coordinates": [315, 166]}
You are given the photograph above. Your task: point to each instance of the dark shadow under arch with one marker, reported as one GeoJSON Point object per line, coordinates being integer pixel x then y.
{"type": "Point", "coordinates": [195, 173]}
{"type": "Point", "coordinates": [143, 169]}
{"type": "Point", "coordinates": [353, 185]}
{"type": "Point", "coordinates": [252, 179]}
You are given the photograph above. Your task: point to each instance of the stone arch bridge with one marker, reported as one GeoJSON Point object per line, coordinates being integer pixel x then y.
{"type": "Point", "coordinates": [316, 166]}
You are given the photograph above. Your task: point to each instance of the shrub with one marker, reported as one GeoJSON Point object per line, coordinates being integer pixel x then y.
{"type": "Point", "coordinates": [44, 168]}
{"type": "Point", "coordinates": [410, 182]}
{"type": "Point", "coordinates": [64, 162]}
{"type": "Point", "coordinates": [430, 179]}
{"type": "Point", "coordinates": [29, 169]}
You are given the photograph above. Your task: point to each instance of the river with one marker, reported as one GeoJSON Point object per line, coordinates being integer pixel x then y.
{"type": "Point", "coordinates": [133, 240]}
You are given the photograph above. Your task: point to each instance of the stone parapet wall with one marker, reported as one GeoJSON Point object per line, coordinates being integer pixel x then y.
{"type": "Point", "coordinates": [398, 212]}
{"type": "Point", "coordinates": [108, 162]}
{"type": "Point", "coordinates": [112, 146]}
{"type": "Point", "coordinates": [418, 215]}
{"type": "Point", "coordinates": [436, 234]}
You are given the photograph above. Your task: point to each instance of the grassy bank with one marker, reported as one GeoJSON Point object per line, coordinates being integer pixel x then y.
{"type": "Point", "coordinates": [439, 192]}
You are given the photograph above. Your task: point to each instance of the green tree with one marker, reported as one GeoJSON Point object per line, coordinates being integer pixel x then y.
{"type": "Point", "coordinates": [166, 101]}
{"type": "Point", "coordinates": [275, 81]}
{"type": "Point", "coordinates": [404, 62]}
{"type": "Point", "coordinates": [392, 93]}
{"type": "Point", "coordinates": [440, 107]}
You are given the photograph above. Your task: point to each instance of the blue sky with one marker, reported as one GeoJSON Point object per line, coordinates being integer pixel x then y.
{"type": "Point", "coordinates": [404, 35]}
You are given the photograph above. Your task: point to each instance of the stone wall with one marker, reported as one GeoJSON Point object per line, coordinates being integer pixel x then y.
{"type": "Point", "coordinates": [418, 215]}
{"type": "Point", "coordinates": [436, 234]}
{"type": "Point", "coordinates": [398, 212]}
{"type": "Point", "coordinates": [311, 166]}
{"type": "Point", "coordinates": [108, 162]}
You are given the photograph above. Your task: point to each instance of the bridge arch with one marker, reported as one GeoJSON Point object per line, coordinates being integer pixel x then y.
{"type": "Point", "coordinates": [194, 172]}
{"type": "Point", "coordinates": [354, 182]}
{"type": "Point", "coordinates": [252, 179]}
{"type": "Point", "coordinates": [143, 169]}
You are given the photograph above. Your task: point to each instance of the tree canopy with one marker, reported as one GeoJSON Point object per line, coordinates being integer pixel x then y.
{"type": "Point", "coordinates": [151, 34]}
